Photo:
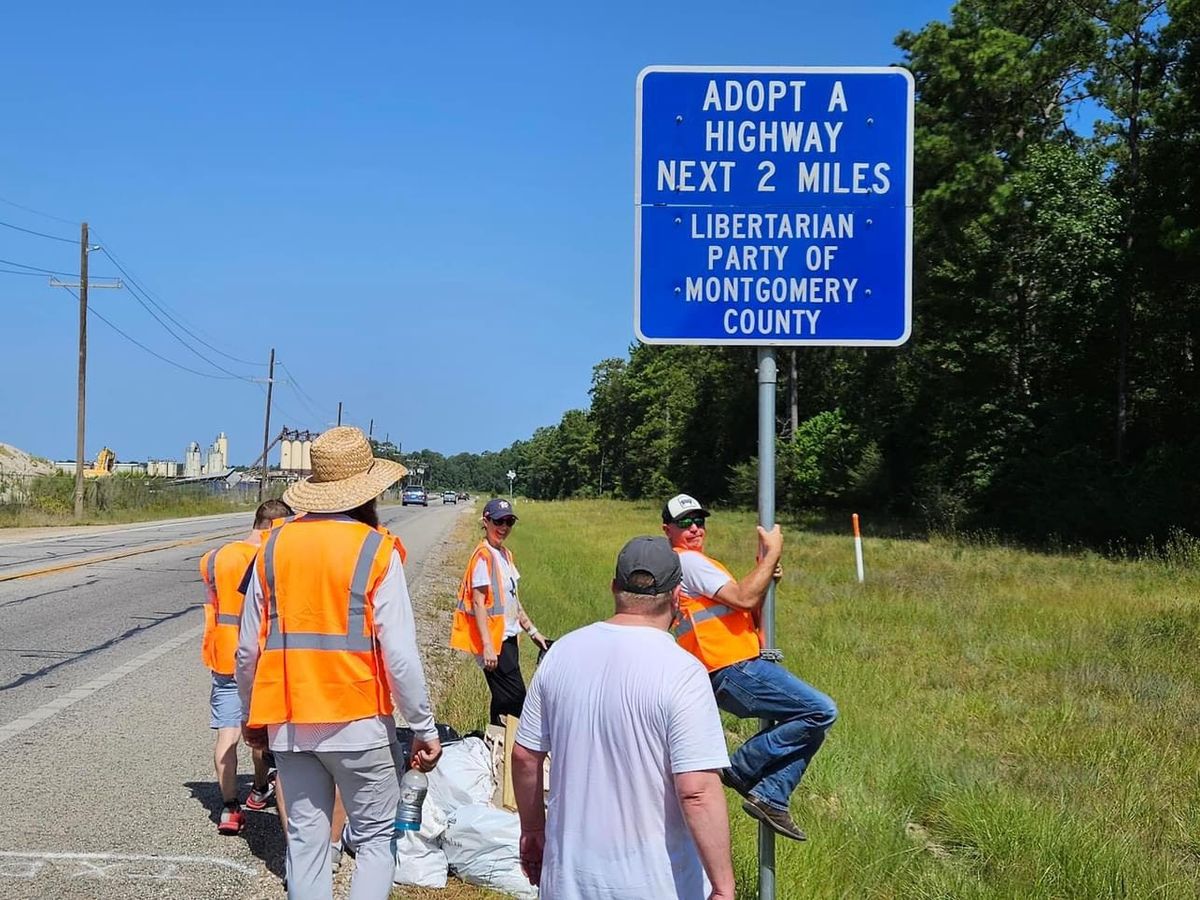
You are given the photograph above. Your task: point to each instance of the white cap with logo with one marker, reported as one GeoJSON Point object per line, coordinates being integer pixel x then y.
{"type": "Point", "coordinates": [682, 504]}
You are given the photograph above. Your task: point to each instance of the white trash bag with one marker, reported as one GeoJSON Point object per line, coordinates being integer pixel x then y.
{"type": "Point", "coordinates": [463, 775]}
{"type": "Point", "coordinates": [419, 859]}
{"type": "Point", "coordinates": [482, 847]}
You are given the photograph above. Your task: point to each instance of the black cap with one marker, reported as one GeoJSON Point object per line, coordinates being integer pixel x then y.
{"type": "Point", "coordinates": [654, 556]}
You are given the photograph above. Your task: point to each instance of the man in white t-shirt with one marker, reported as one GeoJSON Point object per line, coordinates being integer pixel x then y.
{"type": "Point", "coordinates": [636, 808]}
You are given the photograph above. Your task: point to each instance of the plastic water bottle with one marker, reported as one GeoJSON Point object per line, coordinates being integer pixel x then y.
{"type": "Point", "coordinates": [414, 785]}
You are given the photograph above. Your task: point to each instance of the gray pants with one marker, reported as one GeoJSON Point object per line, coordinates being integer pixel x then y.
{"type": "Point", "coordinates": [370, 791]}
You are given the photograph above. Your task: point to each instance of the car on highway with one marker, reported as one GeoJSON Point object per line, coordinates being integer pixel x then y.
{"type": "Point", "coordinates": [414, 496]}
{"type": "Point", "coordinates": [462, 495]}
{"type": "Point", "coordinates": [449, 497]}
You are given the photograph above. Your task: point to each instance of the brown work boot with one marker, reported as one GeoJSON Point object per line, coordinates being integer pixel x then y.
{"type": "Point", "coordinates": [778, 820]}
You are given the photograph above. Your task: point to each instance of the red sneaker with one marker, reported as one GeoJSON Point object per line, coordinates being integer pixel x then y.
{"type": "Point", "coordinates": [232, 820]}
{"type": "Point", "coordinates": [259, 798]}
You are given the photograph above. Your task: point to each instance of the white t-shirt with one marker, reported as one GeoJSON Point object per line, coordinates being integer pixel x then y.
{"type": "Point", "coordinates": [509, 576]}
{"type": "Point", "coordinates": [701, 578]}
{"type": "Point", "coordinates": [621, 709]}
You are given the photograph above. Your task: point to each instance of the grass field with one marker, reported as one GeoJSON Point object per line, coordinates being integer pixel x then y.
{"type": "Point", "coordinates": [1012, 725]}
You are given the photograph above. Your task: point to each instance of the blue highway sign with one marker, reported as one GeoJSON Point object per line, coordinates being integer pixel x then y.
{"type": "Point", "coordinates": [773, 206]}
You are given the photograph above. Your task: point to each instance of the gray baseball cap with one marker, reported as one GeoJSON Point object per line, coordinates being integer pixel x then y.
{"type": "Point", "coordinates": [654, 556]}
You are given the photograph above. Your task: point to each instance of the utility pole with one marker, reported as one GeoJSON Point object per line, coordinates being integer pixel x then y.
{"type": "Point", "coordinates": [79, 411]}
{"type": "Point", "coordinates": [371, 429]}
{"type": "Point", "coordinates": [266, 466]}
{"type": "Point", "coordinates": [80, 418]}
{"type": "Point", "coordinates": [339, 412]}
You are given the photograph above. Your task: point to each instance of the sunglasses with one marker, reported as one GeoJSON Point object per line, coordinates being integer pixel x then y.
{"type": "Point", "coordinates": [508, 522]}
{"type": "Point", "coordinates": [688, 521]}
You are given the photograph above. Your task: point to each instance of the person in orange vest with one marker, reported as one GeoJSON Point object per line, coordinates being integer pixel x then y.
{"type": "Point", "coordinates": [326, 652]}
{"type": "Point", "coordinates": [222, 570]}
{"type": "Point", "coordinates": [719, 625]}
{"type": "Point", "coordinates": [489, 615]}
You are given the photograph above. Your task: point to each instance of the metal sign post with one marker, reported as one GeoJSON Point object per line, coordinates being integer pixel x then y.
{"type": "Point", "coordinates": [773, 207]}
{"type": "Point", "coordinates": [766, 515]}
{"type": "Point", "coordinates": [511, 478]}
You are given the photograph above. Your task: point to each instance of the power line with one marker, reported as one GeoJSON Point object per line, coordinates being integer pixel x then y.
{"type": "Point", "coordinates": [299, 420]}
{"type": "Point", "coordinates": [19, 272]}
{"type": "Point", "coordinates": [312, 411]}
{"type": "Point", "coordinates": [189, 347]}
{"type": "Point", "coordinates": [38, 212]}
{"type": "Point", "coordinates": [142, 296]}
{"type": "Point", "coordinates": [166, 312]}
{"type": "Point", "coordinates": [133, 340]}
{"type": "Point", "coordinates": [161, 306]}
{"type": "Point", "coordinates": [53, 237]}
{"type": "Point", "coordinates": [313, 406]}
{"type": "Point", "coordinates": [295, 380]}
{"type": "Point", "coordinates": [37, 270]}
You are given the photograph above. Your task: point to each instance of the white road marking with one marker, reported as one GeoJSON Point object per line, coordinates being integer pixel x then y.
{"type": "Point", "coordinates": [69, 699]}
{"type": "Point", "coordinates": [90, 869]}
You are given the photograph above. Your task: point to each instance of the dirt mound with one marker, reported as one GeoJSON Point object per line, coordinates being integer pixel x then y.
{"type": "Point", "coordinates": [14, 461]}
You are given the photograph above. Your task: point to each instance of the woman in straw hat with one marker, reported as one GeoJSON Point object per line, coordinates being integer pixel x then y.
{"type": "Point", "coordinates": [327, 649]}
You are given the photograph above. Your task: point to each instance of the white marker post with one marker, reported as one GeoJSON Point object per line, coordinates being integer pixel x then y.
{"type": "Point", "coordinates": [858, 560]}
{"type": "Point", "coordinates": [511, 478]}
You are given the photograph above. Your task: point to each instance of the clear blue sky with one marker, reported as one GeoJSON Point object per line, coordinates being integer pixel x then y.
{"type": "Point", "coordinates": [427, 212]}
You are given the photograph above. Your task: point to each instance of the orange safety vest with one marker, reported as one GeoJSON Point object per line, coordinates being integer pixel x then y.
{"type": "Point", "coordinates": [464, 630]}
{"type": "Point", "coordinates": [396, 542]}
{"type": "Point", "coordinates": [716, 634]}
{"type": "Point", "coordinates": [222, 571]}
{"type": "Point", "coordinates": [319, 659]}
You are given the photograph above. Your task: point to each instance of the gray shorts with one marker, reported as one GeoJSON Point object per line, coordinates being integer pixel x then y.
{"type": "Point", "coordinates": [225, 703]}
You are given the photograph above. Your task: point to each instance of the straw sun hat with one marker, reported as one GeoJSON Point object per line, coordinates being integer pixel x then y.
{"type": "Point", "coordinates": [344, 474]}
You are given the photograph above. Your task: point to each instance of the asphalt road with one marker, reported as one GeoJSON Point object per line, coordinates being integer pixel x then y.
{"type": "Point", "coordinates": [105, 750]}
{"type": "Point", "coordinates": [29, 551]}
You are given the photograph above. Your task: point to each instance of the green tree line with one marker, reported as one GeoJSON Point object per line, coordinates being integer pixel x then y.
{"type": "Point", "coordinates": [1050, 387]}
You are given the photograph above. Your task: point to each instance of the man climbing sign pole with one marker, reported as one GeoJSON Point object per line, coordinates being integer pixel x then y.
{"type": "Point", "coordinates": [773, 207]}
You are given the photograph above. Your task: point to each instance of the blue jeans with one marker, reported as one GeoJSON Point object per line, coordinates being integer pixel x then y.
{"type": "Point", "coordinates": [771, 763]}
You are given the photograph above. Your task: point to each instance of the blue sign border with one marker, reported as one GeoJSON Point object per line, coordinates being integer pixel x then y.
{"type": "Point", "coordinates": [908, 207]}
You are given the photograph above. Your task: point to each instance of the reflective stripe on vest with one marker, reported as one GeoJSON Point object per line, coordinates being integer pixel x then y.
{"type": "Point", "coordinates": [715, 633]}
{"type": "Point", "coordinates": [498, 592]}
{"type": "Point", "coordinates": [222, 618]}
{"type": "Point", "coordinates": [465, 633]}
{"type": "Point", "coordinates": [221, 571]}
{"type": "Point", "coordinates": [355, 640]}
{"type": "Point", "coordinates": [711, 612]}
